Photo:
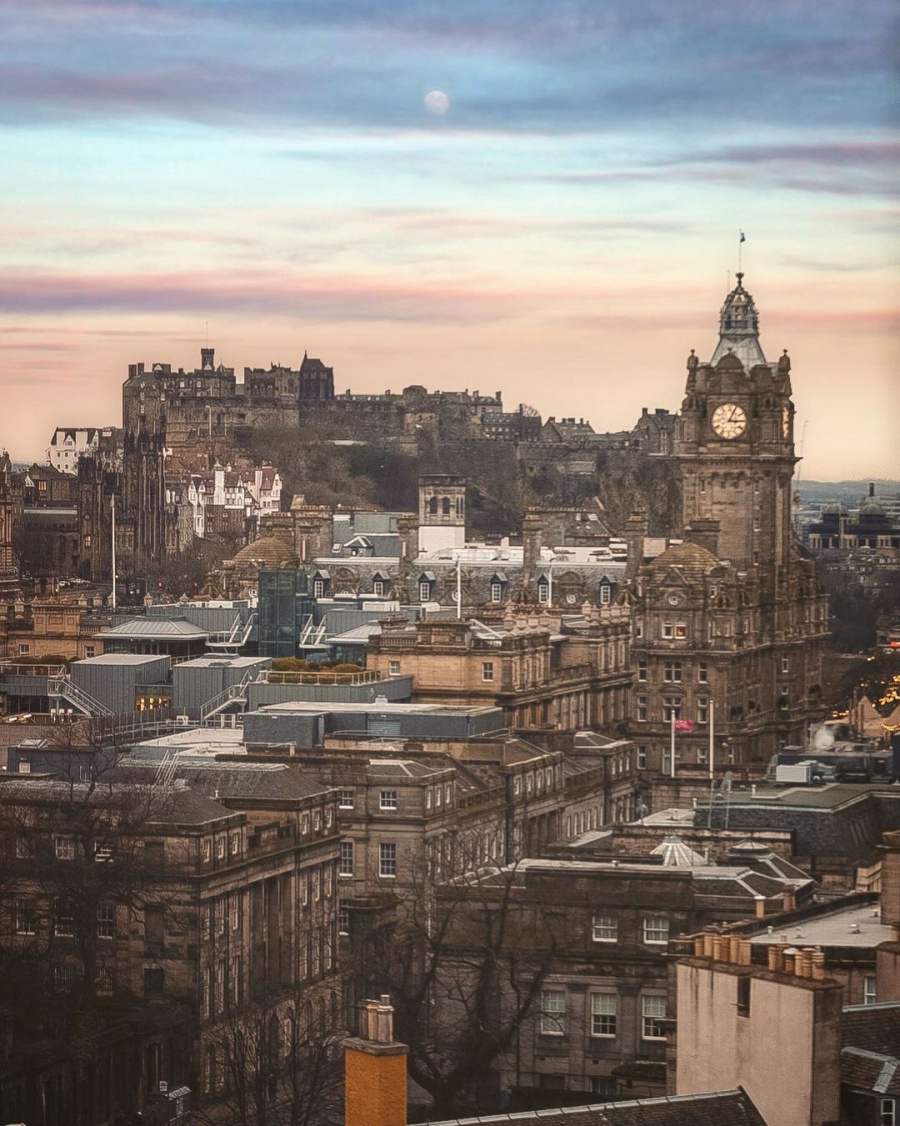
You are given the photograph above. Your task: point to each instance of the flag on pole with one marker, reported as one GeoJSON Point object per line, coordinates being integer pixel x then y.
{"type": "Point", "coordinates": [743, 237]}
{"type": "Point", "coordinates": [683, 725]}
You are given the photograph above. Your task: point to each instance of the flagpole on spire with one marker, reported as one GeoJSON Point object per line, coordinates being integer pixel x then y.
{"type": "Point", "coordinates": [741, 240]}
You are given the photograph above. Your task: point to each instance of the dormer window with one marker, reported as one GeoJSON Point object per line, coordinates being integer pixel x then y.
{"type": "Point", "coordinates": [543, 591]}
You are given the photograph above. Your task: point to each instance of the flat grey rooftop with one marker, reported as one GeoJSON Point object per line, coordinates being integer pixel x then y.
{"type": "Point", "coordinates": [684, 817]}
{"type": "Point", "coordinates": [835, 929]}
{"type": "Point", "coordinates": [197, 740]}
{"type": "Point", "coordinates": [118, 660]}
{"type": "Point", "coordinates": [377, 707]}
{"type": "Point", "coordinates": [829, 796]}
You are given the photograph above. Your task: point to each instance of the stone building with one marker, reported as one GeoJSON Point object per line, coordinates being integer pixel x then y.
{"type": "Point", "coordinates": [569, 673]}
{"type": "Point", "coordinates": [871, 525]}
{"type": "Point", "coordinates": [729, 624]}
{"type": "Point", "coordinates": [53, 627]}
{"type": "Point", "coordinates": [208, 407]}
{"type": "Point", "coordinates": [11, 505]}
{"type": "Point", "coordinates": [170, 912]}
{"type": "Point", "coordinates": [594, 935]}
{"type": "Point", "coordinates": [70, 443]}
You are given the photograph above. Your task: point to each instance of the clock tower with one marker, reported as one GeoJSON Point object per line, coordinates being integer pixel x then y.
{"type": "Point", "coordinates": [728, 621]}
{"type": "Point", "coordinates": [734, 441]}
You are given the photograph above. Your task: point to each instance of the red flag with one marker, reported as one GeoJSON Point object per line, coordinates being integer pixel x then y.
{"type": "Point", "coordinates": [683, 725]}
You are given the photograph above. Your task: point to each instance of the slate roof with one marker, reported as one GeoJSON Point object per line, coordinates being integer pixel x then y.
{"type": "Point", "coordinates": [189, 807]}
{"type": "Point", "coordinates": [720, 1108]}
{"type": "Point", "coordinates": [873, 1028]}
{"type": "Point", "coordinates": [162, 629]}
{"type": "Point", "coordinates": [870, 1071]}
{"type": "Point", "coordinates": [359, 635]}
{"type": "Point", "coordinates": [257, 781]}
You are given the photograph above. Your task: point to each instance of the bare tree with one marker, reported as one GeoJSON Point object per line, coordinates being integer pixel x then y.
{"type": "Point", "coordinates": [461, 980]}
{"type": "Point", "coordinates": [75, 868]}
{"type": "Point", "coordinates": [278, 1067]}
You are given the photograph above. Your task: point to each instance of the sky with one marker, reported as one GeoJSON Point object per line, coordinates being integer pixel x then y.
{"type": "Point", "coordinates": [541, 197]}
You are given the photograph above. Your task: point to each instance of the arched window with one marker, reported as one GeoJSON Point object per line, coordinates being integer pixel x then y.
{"type": "Point", "coordinates": [432, 506]}
{"type": "Point", "coordinates": [445, 506]}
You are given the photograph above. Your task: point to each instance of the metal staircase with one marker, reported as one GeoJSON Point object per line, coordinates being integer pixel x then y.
{"type": "Point", "coordinates": [165, 772]}
{"type": "Point", "coordinates": [235, 639]}
{"type": "Point", "coordinates": [311, 634]}
{"type": "Point", "coordinates": [61, 687]}
{"type": "Point", "coordinates": [234, 694]}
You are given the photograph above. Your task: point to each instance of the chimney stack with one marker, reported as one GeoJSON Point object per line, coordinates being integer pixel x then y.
{"type": "Point", "coordinates": [704, 532]}
{"type": "Point", "coordinates": [375, 1070]}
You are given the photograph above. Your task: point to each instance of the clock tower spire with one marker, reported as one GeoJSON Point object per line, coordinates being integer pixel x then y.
{"type": "Point", "coordinates": [734, 440]}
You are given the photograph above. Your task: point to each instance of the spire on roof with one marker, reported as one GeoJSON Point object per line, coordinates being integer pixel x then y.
{"type": "Point", "coordinates": [739, 328]}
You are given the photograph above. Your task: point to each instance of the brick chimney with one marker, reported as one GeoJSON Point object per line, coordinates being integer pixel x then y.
{"type": "Point", "coordinates": [890, 880]}
{"type": "Point", "coordinates": [636, 529]}
{"type": "Point", "coordinates": [375, 1070]}
{"type": "Point", "coordinates": [532, 541]}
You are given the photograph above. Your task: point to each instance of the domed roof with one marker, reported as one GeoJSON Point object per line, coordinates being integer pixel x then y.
{"type": "Point", "coordinates": [739, 328]}
{"type": "Point", "coordinates": [872, 508]}
{"type": "Point", "coordinates": [269, 552]}
{"type": "Point", "coordinates": [835, 510]}
{"type": "Point", "coordinates": [688, 556]}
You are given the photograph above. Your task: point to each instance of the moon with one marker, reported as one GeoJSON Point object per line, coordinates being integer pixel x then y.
{"type": "Point", "coordinates": [436, 102]}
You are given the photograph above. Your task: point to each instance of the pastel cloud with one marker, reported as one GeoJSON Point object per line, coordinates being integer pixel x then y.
{"type": "Point", "coordinates": [268, 166]}
{"type": "Point", "coordinates": [527, 66]}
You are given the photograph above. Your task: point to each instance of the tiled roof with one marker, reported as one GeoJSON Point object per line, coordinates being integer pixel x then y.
{"type": "Point", "coordinates": [721, 1108]}
{"type": "Point", "coordinates": [690, 557]}
{"type": "Point", "coordinates": [272, 551]}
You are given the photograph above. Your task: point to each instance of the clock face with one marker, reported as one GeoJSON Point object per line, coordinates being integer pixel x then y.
{"type": "Point", "coordinates": [673, 599]}
{"type": "Point", "coordinates": [785, 422]}
{"type": "Point", "coordinates": [729, 420]}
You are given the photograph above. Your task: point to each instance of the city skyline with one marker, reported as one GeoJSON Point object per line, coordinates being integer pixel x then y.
{"type": "Point", "coordinates": [541, 200]}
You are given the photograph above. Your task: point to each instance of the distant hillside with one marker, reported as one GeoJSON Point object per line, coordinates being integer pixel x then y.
{"type": "Point", "coordinates": [845, 492]}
